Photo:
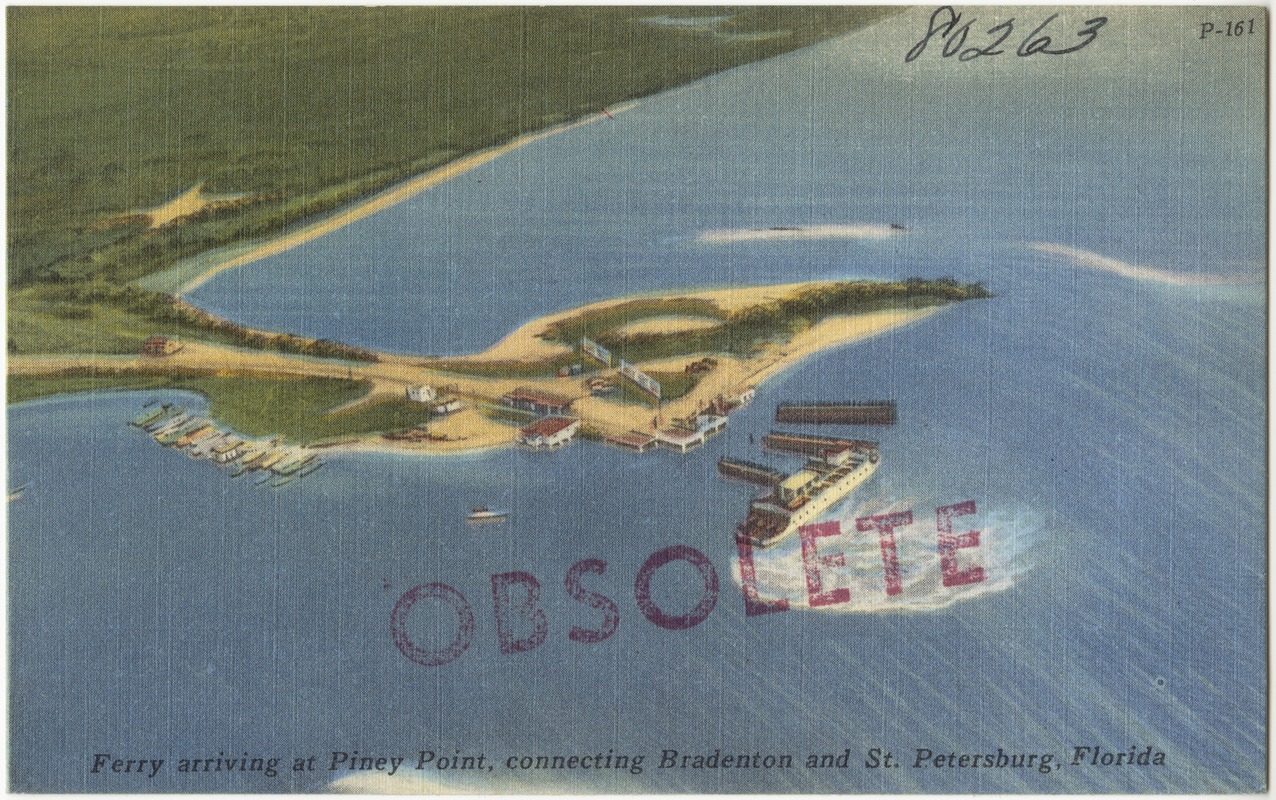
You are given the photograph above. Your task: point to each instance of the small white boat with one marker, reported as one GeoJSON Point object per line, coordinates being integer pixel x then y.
{"type": "Point", "coordinates": [485, 514]}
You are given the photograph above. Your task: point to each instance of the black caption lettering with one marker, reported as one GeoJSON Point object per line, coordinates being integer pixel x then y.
{"type": "Point", "coordinates": [1230, 28]}
{"type": "Point", "coordinates": [947, 24]}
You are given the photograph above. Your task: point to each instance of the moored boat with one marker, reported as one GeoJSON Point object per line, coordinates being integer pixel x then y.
{"type": "Point", "coordinates": [199, 434]}
{"type": "Point", "coordinates": [309, 468]}
{"type": "Point", "coordinates": [271, 459]}
{"type": "Point", "coordinates": [167, 439]}
{"type": "Point", "coordinates": [147, 417]}
{"type": "Point", "coordinates": [166, 426]}
{"type": "Point", "coordinates": [484, 514]}
{"type": "Point", "coordinates": [293, 466]}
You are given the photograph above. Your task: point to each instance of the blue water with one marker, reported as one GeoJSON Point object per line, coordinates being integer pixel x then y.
{"type": "Point", "coordinates": [1109, 429]}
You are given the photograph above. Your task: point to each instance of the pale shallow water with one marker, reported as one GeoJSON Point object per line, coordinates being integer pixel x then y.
{"type": "Point", "coordinates": [1110, 430]}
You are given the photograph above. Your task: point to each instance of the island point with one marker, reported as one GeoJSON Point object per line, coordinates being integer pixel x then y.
{"type": "Point", "coordinates": [638, 372]}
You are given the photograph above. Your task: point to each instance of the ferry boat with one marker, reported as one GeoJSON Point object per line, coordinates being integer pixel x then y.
{"type": "Point", "coordinates": [485, 514]}
{"type": "Point", "coordinates": [800, 498]}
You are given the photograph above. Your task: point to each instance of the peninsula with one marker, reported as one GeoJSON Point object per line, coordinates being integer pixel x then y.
{"type": "Point", "coordinates": [704, 350]}
{"type": "Point", "coordinates": [104, 243]}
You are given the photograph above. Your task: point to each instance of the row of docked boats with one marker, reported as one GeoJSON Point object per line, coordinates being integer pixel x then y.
{"type": "Point", "coordinates": [279, 465]}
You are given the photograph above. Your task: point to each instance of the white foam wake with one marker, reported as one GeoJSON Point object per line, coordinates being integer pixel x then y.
{"type": "Point", "coordinates": [1005, 552]}
{"type": "Point", "coordinates": [1085, 258]}
{"type": "Point", "coordinates": [857, 231]}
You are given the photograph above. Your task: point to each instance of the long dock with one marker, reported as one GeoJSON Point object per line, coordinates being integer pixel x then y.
{"type": "Point", "coordinates": [878, 412]}
{"type": "Point", "coordinates": [200, 438]}
{"type": "Point", "coordinates": [683, 439]}
{"type": "Point", "coordinates": [809, 445]}
{"type": "Point", "coordinates": [634, 440]}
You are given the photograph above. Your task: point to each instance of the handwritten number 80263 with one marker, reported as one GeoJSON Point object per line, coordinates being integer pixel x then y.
{"type": "Point", "coordinates": [945, 24]}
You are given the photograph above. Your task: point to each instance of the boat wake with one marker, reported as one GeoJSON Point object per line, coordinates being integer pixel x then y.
{"type": "Point", "coordinates": [1007, 543]}
{"type": "Point", "coordinates": [787, 233]}
{"type": "Point", "coordinates": [1085, 258]}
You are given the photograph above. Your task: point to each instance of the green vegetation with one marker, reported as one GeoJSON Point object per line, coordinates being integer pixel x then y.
{"type": "Point", "coordinates": [299, 409]}
{"type": "Point", "coordinates": [295, 111]}
{"type": "Point", "coordinates": [628, 392]}
{"type": "Point", "coordinates": [503, 369]}
{"type": "Point", "coordinates": [22, 388]}
{"type": "Point", "coordinates": [95, 317]}
{"type": "Point", "coordinates": [743, 331]}
{"type": "Point", "coordinates": [674, 384]}
{"type": "Point", "coordinates": [601, 322]}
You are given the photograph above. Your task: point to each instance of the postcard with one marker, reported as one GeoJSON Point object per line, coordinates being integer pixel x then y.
{"type": "Point", "coordinates": [610, 400]}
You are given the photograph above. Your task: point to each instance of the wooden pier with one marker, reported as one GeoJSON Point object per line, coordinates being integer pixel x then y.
{"type": "Point", "coordinates": [809, 445]}
{"type": "Point", "coordinates": [634, 440]}
{"type": "Point", "coordinates": [879, 412]}
{"type": "Point", "coordinates": [750, 472]}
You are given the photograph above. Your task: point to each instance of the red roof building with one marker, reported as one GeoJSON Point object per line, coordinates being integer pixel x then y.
{"type": "Point", "coordinates": [537, 401]}
{"type": "Point", "coordinates": [160, 346]}
{"type": "Point", "coordinates": [548, 433]}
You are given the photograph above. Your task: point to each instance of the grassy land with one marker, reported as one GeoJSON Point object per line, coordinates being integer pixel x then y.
{"type": "Point", "coordinates": [503, 369]}
{"type": "Point", "coordinates": [741, 332]}
{"type": "Point", "coordinates": [605, 321]}
{"type": "Point", "coordinates": [744, 330]}
{"type": "Point", "coordinates": [295, 408]}
{"type": "Point", "coordinates": [674, 384]}
{"type": "Point", "coordinates": [298, 111]}
{"type": "Point", "coordinates": [96, 317]}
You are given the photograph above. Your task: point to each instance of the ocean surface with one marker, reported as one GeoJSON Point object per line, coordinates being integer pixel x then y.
{"type": "Point", "coordinates": [1105, 411]}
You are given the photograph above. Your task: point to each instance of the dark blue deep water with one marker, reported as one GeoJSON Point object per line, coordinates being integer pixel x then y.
{"type": "Point", "coordinates": [1105, 411]}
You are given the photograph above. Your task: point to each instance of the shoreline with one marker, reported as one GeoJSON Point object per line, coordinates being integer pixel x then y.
{"type": "Point", "coordinates": [471, 430]}
{"type": "Point", "coordinates": [523, 343]}
{"type": "Point", "coordinates": [612, 419]}
{"type": "Point", "coordinates": [361, 209]}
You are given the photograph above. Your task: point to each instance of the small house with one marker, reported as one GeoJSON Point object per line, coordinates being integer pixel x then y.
{"type": "Point", "coordinates": [160, 346]}
{"type": "Point", "coordinates": [548, 433]}
{"type": "Point", "coordinates": [537, 401]}
{"type": "Point", "coordinates": [421, 394]}
{"type": "Point", "coordinates": [449, 406]}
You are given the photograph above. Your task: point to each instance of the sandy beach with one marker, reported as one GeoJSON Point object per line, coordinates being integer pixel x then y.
{"type": "Point", "coordinates": [472, 429]}
{"type": "Point", "coordinates": [733, 375]}
{"type": "Point", "coordinates": [524, 342]}
{"type": "Point", "coordinates": [390, 197]}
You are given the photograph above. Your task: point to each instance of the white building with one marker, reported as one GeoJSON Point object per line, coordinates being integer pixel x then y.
{"type": "Point", "coordinates": [422, 394]}
{"type": "Point", "coordinates": [449, 406]}
{"type": "Point", "coordinates": [548, 433]}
